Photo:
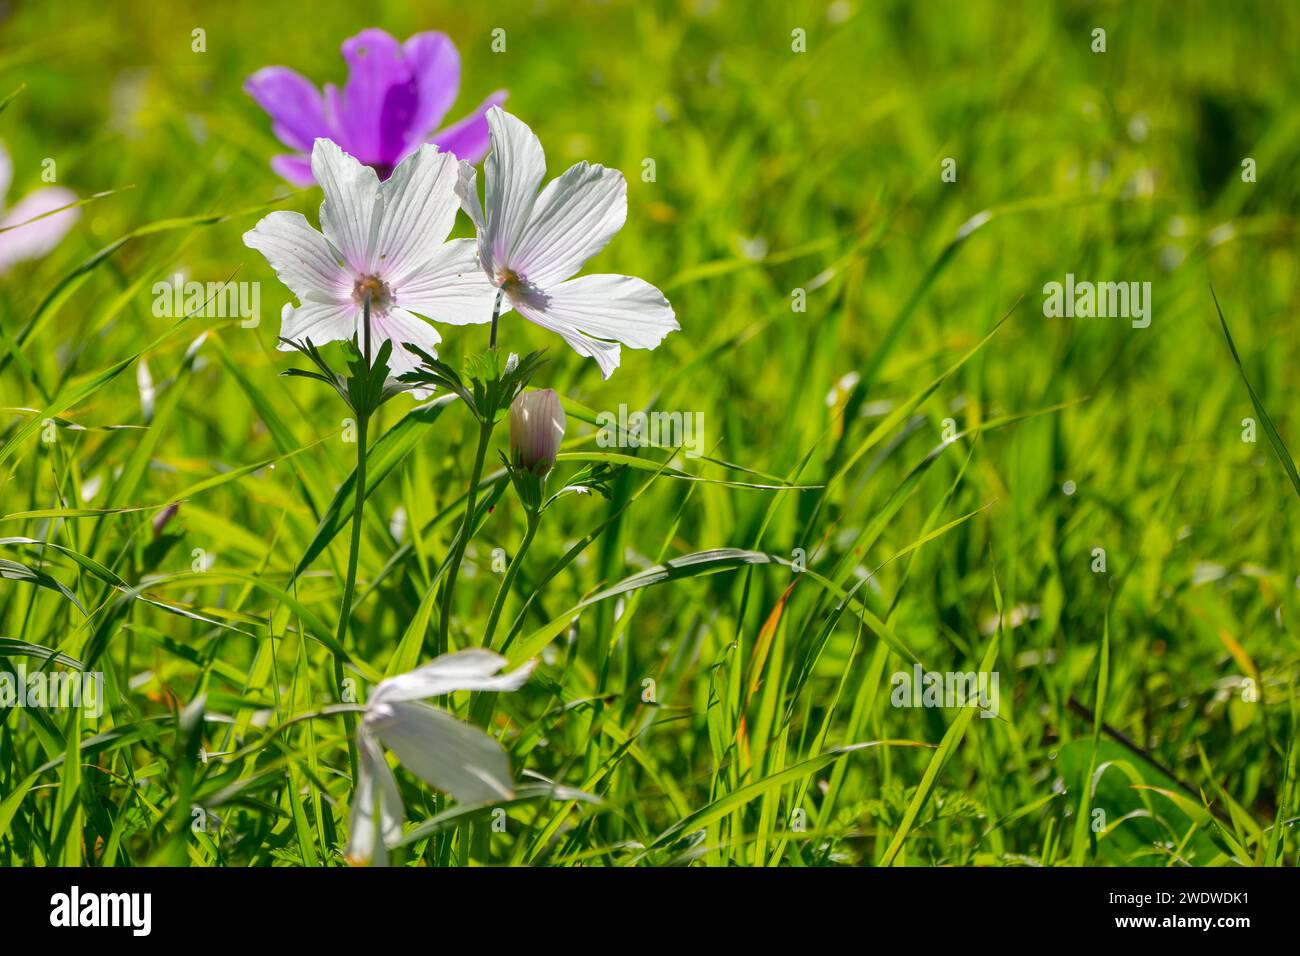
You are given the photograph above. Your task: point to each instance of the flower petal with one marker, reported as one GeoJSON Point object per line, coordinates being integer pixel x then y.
{"type": "Point", "coordinates": [399, 326]}
{"type": "Point", "coordinates": [574, 218]}
{"type": "Point", "coordinates": [379, 100]}
{"type": "Point", "coordinates": [589, 309]}
{"type": "Point", "coordinates": [352, 211]}
{"type": "Point", "coordinates": [435, 65]}
{"type": "Point", "coordinates": [32, 240]}
{"type": "Point", "coordinates": [513, 171]}
{"type": "Point", "coordinates": [449, 287]}
{"type": "Point", "coordinates": [6, 173]}
{"type": "Point", "coordinates": [319, 321]}
{"type": "Point", "coordinates": [301, 258]}
{"type": "Point", "coordinates": [377, 809]}
{"type": "Point", "coordinates": [446, 753]}
{"type": "Point", "coordinates": [295, 168]}
{"type": "Point", "coordinates": [419, 206]}
{"type": "Point", "coordinates": [468, 138]}
{"type": "Point", "coordinates": [473, 669]}
{"type": "Point", "coordinates": [467, 191]}
{"type": "Point", "coordinates": [294, 104]}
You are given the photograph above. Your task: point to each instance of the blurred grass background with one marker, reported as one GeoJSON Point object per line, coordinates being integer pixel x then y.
{"type": "Point", "coordinates": [775, 171]}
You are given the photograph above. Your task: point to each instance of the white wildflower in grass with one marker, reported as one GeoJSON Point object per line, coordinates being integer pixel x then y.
{"type": "Point", "coordinates": [444, 752]}
{"type": "Point", "coordinates": [385, 239]}
{"type": "Point", "coordinates": [530, 244]}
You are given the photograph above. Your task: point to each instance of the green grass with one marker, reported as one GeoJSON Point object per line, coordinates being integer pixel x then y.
{"type": "Point", "coordinates": [768, 619]}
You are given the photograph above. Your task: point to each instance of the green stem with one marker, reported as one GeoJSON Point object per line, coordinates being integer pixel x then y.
{"type": "Point", "coordinates": [496, 311]}
{"type": "Point", "coordinates": [350, 583]}
{"type": "Point", "coordinates": [508, 581]}
{"type": "Point", "coordinates": [350, 586]}
{"type": "Point", "coordinates": [474, 838]}
{"type": "Point", "coordinates": [462, 539]}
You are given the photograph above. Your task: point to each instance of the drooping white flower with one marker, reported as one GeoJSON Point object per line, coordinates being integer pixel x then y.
{"type": "Point", "coordinates": [529, 244]}
{"type": "Point", "coordinates": [444, 752]}
{"type": "Point", "coordinates": [383, 238]}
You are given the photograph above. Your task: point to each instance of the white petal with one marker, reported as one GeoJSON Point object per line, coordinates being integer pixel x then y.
{"type": "Point", "coordinates": [467, 190]}
{"type": "Point", "coordinates": [6, 173]}
{"type": "Point", "coordinates": [398, 326]}
{"type": "Point", "coordinates": [472, 669]}
{"type": "Point", "coordinates": [34, 238]}
{"type": "Point", "coordinates": [574, 218]}
{"type": "Point", "coordinates": [450, 287]}
{"type": "Point", "coordinates": [513, 172]}
{"type": "Point", "coordinates": [352, 212]}
{"type": "Point", "coordinates": [591, 310]}
{"type": "Point", "coordinates": [446, 753]}
{"type": "Point", "coordinates": [377, 809]}
{"type": "Point", "coordinates": [301, 257]}
{"type": "Point", "coordinates": [419, 207]}
{"type": "Point", "coordinates": [319, 321]}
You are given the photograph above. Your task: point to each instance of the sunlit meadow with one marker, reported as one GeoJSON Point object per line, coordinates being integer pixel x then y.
{"type": "Point", "coordinates": [872, 453]}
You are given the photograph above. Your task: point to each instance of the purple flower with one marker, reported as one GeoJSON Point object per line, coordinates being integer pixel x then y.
{"type": "Point", "coordinates": [395, 97]}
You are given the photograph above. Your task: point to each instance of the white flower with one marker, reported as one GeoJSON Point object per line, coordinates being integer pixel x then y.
{"type": "Point", "coordinates": [439, 749]}
{"type": "Point", "coordinates": [383, 238]}
{"type": "Point", "coordinates": [529, 244]}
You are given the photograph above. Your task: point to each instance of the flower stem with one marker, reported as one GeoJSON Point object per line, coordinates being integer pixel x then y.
{"type": "Point", "coordinates": [462, 539]}
{"type": "Point", "coordinates": [534, 519]}
{"type": "Point", "coordinates": [350, 582]}
{"type": "Point", "coordinates": [496, 311]}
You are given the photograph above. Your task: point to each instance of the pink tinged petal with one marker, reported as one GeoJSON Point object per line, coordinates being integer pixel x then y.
{"type": "Point", "coordinates": [419, 208]}
{"type": "Point", "coordinates": [377, 809]}
{"type": "Point", "coordinates": [379, 100]}
{"type": "Point", "coordinates": [296, 169]}
{"type": "Point", "coordinates": [399, 326]}
{"type": "Point", "coordinates": [301, 258]}
{"type": "Point", "coordinates": [446, 753]}
{"type": "Point", "coordinates": [512, 173]}
{"type": "Point", "coordinates": [33, 240]}
{"type": "Point", "coordinates": [294, 104]}
{"type": "Point", "coordinates": [449, 287]}
{"type": "Point", "coordinates": [589, 311]}
{"type": "Point", "coordinates": [473, 669]}
{"type": "Point", "coordinates": [469, 138]}
{"type": "Point", "coordinates": [435, 65]}
{"type": "Point", "coordinates": [352, 211]}
{"type": "Point", "coordinates": [319, 321]}
{"type": "Point", "coordinates": [467, 192]}
{"type": "Point", "coordinates": [574, 218]}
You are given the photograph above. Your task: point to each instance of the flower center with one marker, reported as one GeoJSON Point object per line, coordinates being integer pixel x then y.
{"type": "Point", "coordinates": [380, 295]}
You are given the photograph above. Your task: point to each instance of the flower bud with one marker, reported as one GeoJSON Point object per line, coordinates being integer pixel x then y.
{"type": "Point", "coordinates": [536, 429]}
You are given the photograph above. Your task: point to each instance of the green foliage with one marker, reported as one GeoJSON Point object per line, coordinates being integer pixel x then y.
{"type": "Point", "coordinates": [917, 467]}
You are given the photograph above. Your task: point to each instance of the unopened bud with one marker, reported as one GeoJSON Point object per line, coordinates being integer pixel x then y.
{"type": "Point", "coordinates": [536, 429]}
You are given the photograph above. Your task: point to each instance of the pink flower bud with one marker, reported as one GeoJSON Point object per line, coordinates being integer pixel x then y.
{"type": "Point", "coordinates": [536, 429]}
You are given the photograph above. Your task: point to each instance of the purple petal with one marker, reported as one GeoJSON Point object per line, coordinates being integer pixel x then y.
{"type": "Point", "coordinates": [295, 106]}
{"type": "Point", "coordinates": [296, 169]}
{"type": "Point", "coordinates": [435, 64]}
{"type": "Point", "coordinates": [468, 138]}
{"type": "Point", "coordinates": [35, 239]}
{"type": "Point", "coordinates": [379, 101]}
